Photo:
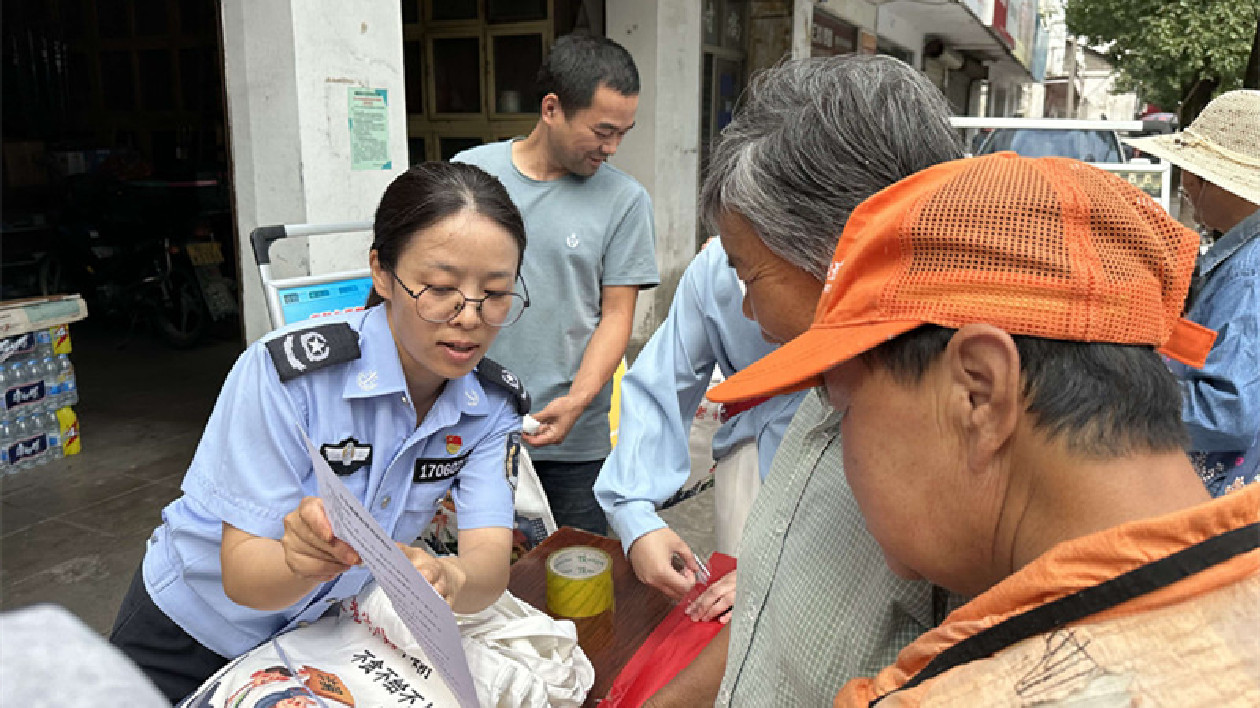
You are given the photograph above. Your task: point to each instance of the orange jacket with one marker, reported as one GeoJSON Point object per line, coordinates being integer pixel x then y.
{"type": "Point", "coordinates": [1195, 642]}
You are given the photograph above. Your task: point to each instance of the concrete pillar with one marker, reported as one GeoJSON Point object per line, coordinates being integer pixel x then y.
{"type": "Point", "coordinates": [662, 151]}
{"type": "Point", "coordinates": [289, 66]}
{"type": "Point", "coordinates": [802, 28]}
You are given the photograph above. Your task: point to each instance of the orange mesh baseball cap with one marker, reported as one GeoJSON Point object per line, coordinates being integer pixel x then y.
{"type": "Point", "coordinates": [1046, 247]}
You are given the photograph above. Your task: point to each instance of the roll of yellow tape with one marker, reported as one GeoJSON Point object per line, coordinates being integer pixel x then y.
{"type": "Point", "coordinates": [579, 581]}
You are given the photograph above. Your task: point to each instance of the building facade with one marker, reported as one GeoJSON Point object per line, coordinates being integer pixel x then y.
{"type": "Point", "coordinates": [449, 74]}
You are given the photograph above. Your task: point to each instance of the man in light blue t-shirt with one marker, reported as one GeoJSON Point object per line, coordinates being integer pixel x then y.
{"type": "Point", "coordinates": [591, 249]}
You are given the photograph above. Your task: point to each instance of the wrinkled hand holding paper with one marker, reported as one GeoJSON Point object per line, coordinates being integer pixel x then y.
{"type": "Point", "coordinates": [420, 607]}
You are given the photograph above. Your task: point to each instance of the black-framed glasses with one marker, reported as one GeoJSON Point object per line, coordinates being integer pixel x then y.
{"type": "Point", "coordinates": [441, 304]}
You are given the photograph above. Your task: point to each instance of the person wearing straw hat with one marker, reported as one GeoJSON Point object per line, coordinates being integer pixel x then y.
{"type": "Point", "coordinates": [1219, 157]}
{"type": "Point", "coordinates": [990, 336]}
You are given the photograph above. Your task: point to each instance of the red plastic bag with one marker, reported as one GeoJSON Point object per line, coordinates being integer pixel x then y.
{"type": "Point", "coordinates": [675, 642]}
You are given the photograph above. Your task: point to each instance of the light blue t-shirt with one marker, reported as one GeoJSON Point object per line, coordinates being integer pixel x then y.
{"type": "Point", "coordinates": [252, 467]}
{"type": "Point", "coordinates": [583, 233]}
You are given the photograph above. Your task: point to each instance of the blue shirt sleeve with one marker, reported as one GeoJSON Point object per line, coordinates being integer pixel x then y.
{"type": "Point", "coordinates": [251, 463]}
{"type": "Point", "coordinates": [1221, 401]}
{"type": "Point", "coordinates": [482, 494]}
{"type": "Point", "coordinates": [660, 393]}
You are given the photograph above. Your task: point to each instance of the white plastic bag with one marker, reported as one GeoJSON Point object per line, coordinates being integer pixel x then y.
{"type": "Point", "coordinates": [365, 657]}
{"type": "Point", "coordinates": [522, 657]}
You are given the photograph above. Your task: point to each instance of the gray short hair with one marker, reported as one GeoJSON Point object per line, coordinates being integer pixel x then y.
{"type": "Point", "coordinates": [812, 139]}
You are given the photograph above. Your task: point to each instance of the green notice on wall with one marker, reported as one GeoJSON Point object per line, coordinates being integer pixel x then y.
{"type": "Point", "coordinates": [369, 129]}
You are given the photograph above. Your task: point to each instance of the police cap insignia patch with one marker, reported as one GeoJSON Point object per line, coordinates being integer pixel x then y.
{"type": "Point", "coordinates": [347, 456]}
{"type": "Point", "coordinates": [435, 469]}
{"type": "Point", "coordinates": [490, 372]}
{"type": "Point", "coordinates": [302, 351]}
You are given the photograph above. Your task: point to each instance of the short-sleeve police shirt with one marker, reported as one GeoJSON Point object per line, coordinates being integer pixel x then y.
{"type": "Point", "coordinates": [252, 468]}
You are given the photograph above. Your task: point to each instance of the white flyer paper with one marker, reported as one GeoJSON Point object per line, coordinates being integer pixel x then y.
{"type": "Point", "coordinates": [418, 605]}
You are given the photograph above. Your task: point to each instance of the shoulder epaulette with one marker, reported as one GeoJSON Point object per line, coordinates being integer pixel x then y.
{"type": "Point", "coordinates": [491, 372]}
{"type": "Point", "coordinates": [313, 348]}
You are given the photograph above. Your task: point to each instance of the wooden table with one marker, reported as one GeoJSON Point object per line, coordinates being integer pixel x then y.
{"type": "Point", "coordinates": [611, 638]}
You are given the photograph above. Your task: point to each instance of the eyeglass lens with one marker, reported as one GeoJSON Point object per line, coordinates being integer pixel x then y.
{"type": "Point", "coordinates": [440, 305]}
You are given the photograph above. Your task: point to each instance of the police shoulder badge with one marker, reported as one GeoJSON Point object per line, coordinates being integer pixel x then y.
{"type": "Point", "coordinates": [491, 372]}
{"type": "Point", "coordinates": [512, 459]}
{"type": "Point", "coordinates": [347, 456]}
{"type": "Point", "coordinates": [302, 351]}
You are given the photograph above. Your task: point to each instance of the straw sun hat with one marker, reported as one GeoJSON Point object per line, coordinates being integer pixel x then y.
{"type": "Point", "coordinates": [1222, 145]}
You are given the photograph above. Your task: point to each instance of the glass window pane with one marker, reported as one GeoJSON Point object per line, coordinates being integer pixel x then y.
{"type": "Point", "coordinates": [157, 80]}
{"type": "Point", "coordinates": [454, 9]}
{"type": "Point", "coordinates": [413, 76]}
{"type": "Point", "coordinates": [457, 74]}
{"type": "Point", "coordinates": [733, 26]}
{"type": "Point", "coordinates": [416, 150]}
{"type": "Point", "coordinates": [80, 83]}
{"type": "Point", "coordinates": [711, 21]}
{"type": "Point", "coordinates": [516, 61]}
{"type": "Point", "coordinates": [113, 18]}
{"type": "Point", "coordinates": [198, 17]}
{"type": "Point", "coordinates": [74, 18]}
{"type": "Point", "coordinates": [515, 10]}
{"type": "Point", "coordinates": [150, 18]}
{"type": "Point", "coordinates": [453, 146]}
{"type": "Point", "coordinates": [117, 81]}
{"type": "Point", "coordinates": [199, 80]}
{"type": "Point", "coordinates": [410, 12]}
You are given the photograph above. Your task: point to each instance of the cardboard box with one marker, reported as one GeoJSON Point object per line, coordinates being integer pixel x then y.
{"type": "Point", "coordinates": [32, 313]}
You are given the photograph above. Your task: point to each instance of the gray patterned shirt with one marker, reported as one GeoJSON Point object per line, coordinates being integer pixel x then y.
{"type": "Point", "coordinates": [815, 603]}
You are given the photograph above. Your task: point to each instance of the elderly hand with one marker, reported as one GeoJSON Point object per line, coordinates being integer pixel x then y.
{"type": "Point", "coordinates": [714, 602]}
{"type": "Point", "coordinates": [651, 556]}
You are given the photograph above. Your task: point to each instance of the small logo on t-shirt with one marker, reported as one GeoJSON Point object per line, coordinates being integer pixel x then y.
{"type": "Point", "coordinates": [572, 241]}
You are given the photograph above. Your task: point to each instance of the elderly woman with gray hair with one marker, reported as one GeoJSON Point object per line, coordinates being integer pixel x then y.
{"type": "Point", "coordinates": [815, 604]}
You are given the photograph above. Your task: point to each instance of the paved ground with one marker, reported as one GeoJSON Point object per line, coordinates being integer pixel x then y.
{"type": "Point", "coordinates": [73, 532]}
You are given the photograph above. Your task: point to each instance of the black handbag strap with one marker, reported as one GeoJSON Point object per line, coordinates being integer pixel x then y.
{"type": "Point", "coordinates": [1089, 601]}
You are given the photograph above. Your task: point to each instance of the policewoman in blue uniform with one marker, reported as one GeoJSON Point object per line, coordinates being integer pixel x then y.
{"type": "Point", "coordinates": [404, 407]}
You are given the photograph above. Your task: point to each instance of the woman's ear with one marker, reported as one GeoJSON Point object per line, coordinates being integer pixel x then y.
{"type": "Point", "coordinates": [983, 367]}
{"type": "Point", "coordinates": [382, 281]}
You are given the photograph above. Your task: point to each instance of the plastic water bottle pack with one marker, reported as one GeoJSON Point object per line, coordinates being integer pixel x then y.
{"type": "Point", "coordinates": [37, 388]}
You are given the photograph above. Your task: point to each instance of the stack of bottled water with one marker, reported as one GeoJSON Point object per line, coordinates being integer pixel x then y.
{"type": "Point", "coordinates": [39, 388]}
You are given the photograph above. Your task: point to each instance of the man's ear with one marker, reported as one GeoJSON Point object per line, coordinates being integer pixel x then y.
{"type": "Point", "coordinates": [982, 363]}
{"type": "Point", "coordinates": [382, 281]}
{"type": "Point", "coordinates": [550, 110]}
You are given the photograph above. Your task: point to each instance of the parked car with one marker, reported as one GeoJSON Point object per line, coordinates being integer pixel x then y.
{"type": "Point", "coordinates": [1085, 145]}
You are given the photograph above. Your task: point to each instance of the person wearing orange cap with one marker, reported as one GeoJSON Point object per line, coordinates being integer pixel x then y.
{"type": "Point", "coordinates": [1219, 157]}
{"type": "Point", "coordinates": [989, 335]}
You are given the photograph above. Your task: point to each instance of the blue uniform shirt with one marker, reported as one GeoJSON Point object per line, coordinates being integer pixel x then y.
{"type": "Point", "coordinates": [705, 327]}
{"type": "Point", "coordinates": [252, 468]}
